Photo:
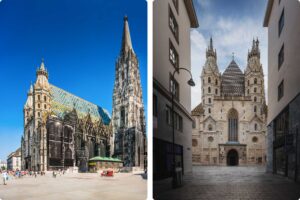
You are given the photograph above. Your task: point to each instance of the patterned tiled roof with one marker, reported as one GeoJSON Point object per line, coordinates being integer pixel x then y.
{"type": "Point", "coordinates": [63, 102]}
{"type": "Point", "coordinates": [198, 110]}
{"type": "Point", "coordinates": [233, 81]}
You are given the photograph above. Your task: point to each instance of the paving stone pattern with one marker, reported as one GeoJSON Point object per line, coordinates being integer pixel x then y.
{"type": "Point", "coordinates": [233, 183]}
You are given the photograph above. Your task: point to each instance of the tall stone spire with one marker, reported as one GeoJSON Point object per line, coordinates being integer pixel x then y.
{"type": "Point", "coordinates": [210, 52]}
{"type": "Point", "coordinates": [42, 70]}
{"type": "Point", "coordinates": [126, 39]}
{"type": "Point", "coordinates": [255, 52]}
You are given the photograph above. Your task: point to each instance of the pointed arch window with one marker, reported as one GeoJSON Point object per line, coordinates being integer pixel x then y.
{"type": "Point", "coordinates": [255, 127]}
{"type": "Point", "coordinates": [233, 125]}
{"type": "Point", "coordinates": [216, 91]}
{"type": "Point", "coordinates": [248, 91]}
{"type": "Point", "coordinates": [209, 90]}
{"type": "Point", "coordinates": [248, 82]}
{"type": "Point", "coordinates": [255, 99]}
{"type": "Point", "coordinates": [255, 80]}
{"type": "Point", "coordinates": [209, 80]}
{"type": "Point", "coordinates": [209, 110]}
{"type": "Point", "coordinates": [216, 82]}
{"type": "Point", "coordinates": [210, 128]}
{"type": "Point", "coordinates": [255, 109]}
{"type": "Point", "coordinates": [255, 90]}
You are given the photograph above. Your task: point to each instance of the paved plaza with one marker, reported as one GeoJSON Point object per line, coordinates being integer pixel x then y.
{"type": "Point", "coordinates": [81, 186]}
{"type": "Point", "coordinates": [233, 183]}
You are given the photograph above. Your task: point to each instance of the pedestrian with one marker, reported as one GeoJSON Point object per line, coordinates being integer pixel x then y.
{"type": "Point", "coordinates": [5, 177]}
{"type": "Point", "coordinates": [35, 174]}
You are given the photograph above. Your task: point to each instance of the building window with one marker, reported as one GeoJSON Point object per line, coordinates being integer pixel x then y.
{"type": "Point", "coordinates": [194, 124]}
{"type": "Point", "coordinates": [45, 98]}
{"type": "Point", "coordinates": [174, 87]}
{"type": "Point", "coordinates": [281, 23]}
{"type": "Point", "coordinates": [194, 142]}
{"type": "Point", "coordinates": [255, 80]}
{"type": "Point", "coordinates": [254, 139]}
{"type": "Point", "coordinates": [209, 90]}
{"type": "Point", "coordinates": [210, 127]}
{"type": "Point", "coordinates": [255, 127]}
{"type": "Point", "coordinates": [39, 114]}
{"type": "Point", "coordinates": [281, 56]}
{"type": "Point", "coordinates": [248, 82]}
{"type": "Point", "coordinates": [209, 80]}
{"type": "Point", "coordinates": [280, 90]}
{"type": "Point", "coordinates": [255, 90]}
{"type": "Point", "coordinates": [39, 106]}
{"type": "Point", "coordinates": [233, 125]}
{"type": "Point", "coordinates": [248, 91]}
{"type": "Point", "coordinates": [209, 110]}
{"type": "Point", "coordinates": [168, 115]}
{"type": "Point", "coordinates": [209, 100]}
{"type": "Point", "coordinates": [39, 97]}
{"type": "Point", "coordinates": [255, 109]}
{"type": "Point", "coordinates": [216, 91]}
{"type": "Point", "coordinates": [122, 117]}
{"type": "Point", "coordinates": [175, 2]}
{"type": "Point", "coordinates": [216, 82]}
{"type": "Point", "coordinates": [155, 105]}
{"type": "Point", "coordinates": [210, 139]}
{"type": "Point", "coordinates": [173, 55]}
{"type": "Point", "coordinates": [173, 24]}
{"type": "Point", "coordinates": [255, 99]}
{"type": "Point", "coordinates": [45, 106]}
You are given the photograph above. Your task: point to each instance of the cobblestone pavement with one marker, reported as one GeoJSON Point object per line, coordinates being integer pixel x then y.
{"type": "Point", "coordinates": [76, 187]}
{"type": "Point", "coordinates": [233, 183]}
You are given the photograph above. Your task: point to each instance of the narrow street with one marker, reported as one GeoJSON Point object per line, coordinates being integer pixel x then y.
{"type": "Point", "coordinates": [234, 183]}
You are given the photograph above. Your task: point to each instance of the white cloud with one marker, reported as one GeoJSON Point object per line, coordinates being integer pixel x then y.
{"type": "Point", "coordinates": [229, 35]}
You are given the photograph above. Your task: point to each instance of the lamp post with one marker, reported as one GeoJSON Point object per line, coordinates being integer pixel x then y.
{"type": "Point", "coordinates": [175, 181]}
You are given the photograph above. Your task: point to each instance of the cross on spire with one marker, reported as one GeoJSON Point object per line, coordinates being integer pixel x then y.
{"type": "Point", "coordinates": [232, 55]}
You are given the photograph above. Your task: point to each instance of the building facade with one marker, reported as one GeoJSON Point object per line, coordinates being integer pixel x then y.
{"type": "Point", "coordinates": [282, 20]}
{"type": "Point", "coordinates": [173, 20]}
{"type": "Point", "coordinates": [128, 118]}
{"type": "Point", "coordinates": [230, 122]}
{"type": "Point", "coordinates": [14, 160]}
{"type": "Point", "coordinates": [61, 130]}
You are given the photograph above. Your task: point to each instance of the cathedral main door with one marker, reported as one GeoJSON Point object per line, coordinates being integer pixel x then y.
{"type": "Point", "coordinates": [232, 158]}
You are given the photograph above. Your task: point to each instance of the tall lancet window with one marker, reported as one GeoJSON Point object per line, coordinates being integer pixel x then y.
{"type": "Point", "coordinates": [233, 125]}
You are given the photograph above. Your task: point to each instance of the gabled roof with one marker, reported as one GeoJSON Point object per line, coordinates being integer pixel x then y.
{"type": "Point", "coordinates": [63, 101]}
{"type": "Point", "coordinates": [233, 81]}
{"type": "Point", "coordinates": [209, 117]}
{"type": "Point", "coordinates": [198, 110]}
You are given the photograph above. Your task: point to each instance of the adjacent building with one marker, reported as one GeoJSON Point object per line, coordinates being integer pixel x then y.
{"type": "Point", "coordinates": [172, 22]}
{"type": "Point", "coordinates": [128, 118]}
{"type": "Point", "coordinates": [282, 20]}
{"type": "Point", "coordinates": [14, 160]}
{"type": "Point", "coordinates": [3, 164]}
{"type": "Point", "coordinates": [230, 122]}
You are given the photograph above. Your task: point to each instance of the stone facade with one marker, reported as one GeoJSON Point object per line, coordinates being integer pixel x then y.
{"type": "Point", "coordinates": [128, 120]}
{"type": "Point", "coordinates": [14, 160]}
{"type": "Point", "coordinates": [61, 130]}
{"type": "Point", "coordinates": [230, 122]}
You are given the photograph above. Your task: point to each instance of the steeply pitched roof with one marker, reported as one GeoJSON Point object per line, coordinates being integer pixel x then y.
{"type": "Point", "coordinates": [63, 102]}
{"type": "Point", "coordinates": [233, 80]}
{"type": "Point", "coordinates": [198, 110]}
{"type": "Point", "coordinates": [126, 39]}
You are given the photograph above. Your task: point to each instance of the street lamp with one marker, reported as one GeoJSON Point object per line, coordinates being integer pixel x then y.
{"type": "Point", "coordinates": [175, 182]}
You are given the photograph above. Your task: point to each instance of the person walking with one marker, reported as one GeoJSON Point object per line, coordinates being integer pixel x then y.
{"type": "Point", "coordinates": [5, 177]}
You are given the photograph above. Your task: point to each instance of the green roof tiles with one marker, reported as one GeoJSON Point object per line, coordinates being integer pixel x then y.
{"type": "Point", "coordinates": [109, 159]}
{"type": "Point", "coordinates": [63, 102]}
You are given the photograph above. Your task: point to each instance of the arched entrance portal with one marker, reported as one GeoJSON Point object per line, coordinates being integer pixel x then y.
{"type": "Point", "coordinates": [232, 158]}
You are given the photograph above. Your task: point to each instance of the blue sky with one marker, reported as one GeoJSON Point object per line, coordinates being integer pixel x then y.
{"type": "Point", "coordinates": [79, 41]}
{"type": "Point", "coordinates": [233, 24]}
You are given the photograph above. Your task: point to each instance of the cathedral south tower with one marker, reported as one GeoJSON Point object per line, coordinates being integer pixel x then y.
{"type": "Point", "coordinates": [128, 119]}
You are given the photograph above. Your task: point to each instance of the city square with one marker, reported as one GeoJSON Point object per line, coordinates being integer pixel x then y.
{"type": "Point", "coordinates": [76, 186]}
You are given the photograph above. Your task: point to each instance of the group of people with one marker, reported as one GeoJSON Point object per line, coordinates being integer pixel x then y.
{"type": "Point", "coordinates": [6, 175]}
{"type": "Point", "coordinates": [60, 172]}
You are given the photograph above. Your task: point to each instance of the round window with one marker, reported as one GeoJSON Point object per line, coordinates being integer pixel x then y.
{"type": "Point", "coordinates": [254, 139]}
{"type": "Point", "coordinates": [210, 139]}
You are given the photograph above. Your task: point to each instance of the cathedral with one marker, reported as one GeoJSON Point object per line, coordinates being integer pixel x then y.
{"type": "Point", "coordinates": [229, 125]}
{"type": "Point", "coordinates": [128, 119]}
{"type": "Point", "coordinates": [64, 131]}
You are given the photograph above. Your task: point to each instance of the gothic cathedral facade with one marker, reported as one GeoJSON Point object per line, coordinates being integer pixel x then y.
{"type": "Point", "coordinates": [230, 122]}
{"type": "Point", "coordinates": [128, 120]}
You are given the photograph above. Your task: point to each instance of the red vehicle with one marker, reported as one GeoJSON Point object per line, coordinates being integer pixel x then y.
{"type": "Point", "coordinates": [109, 173]}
